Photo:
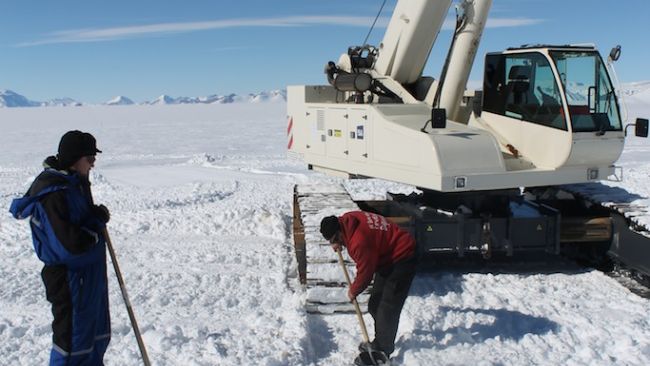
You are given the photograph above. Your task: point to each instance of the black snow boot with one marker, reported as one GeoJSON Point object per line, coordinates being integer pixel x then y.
{"type": "Point", "coordinates": [374, 357]}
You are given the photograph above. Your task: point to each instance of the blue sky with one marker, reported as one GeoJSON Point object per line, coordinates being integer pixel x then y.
{"type": "Point", "coordinates": [94, 50]}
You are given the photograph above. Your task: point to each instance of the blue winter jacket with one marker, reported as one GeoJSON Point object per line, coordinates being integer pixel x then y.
{"type": "Point", "coordinates": [80, 217]}
{"type": "Point", "coordinates": [68, 238]}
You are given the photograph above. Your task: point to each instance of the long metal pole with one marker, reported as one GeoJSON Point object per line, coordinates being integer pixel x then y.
{"type": "Point", "coordinates": [364, 330]}
{"type": "Point", "coordinates": [125, 296]}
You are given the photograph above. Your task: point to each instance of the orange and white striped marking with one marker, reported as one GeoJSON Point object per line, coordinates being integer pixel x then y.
{"type": "Point", "coordinates": [290, 133]}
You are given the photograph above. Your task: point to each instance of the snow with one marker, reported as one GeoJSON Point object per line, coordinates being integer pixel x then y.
{"type": "Point", "coordinates": [201, 204]}
{"type": "Point", "coordinates": [120, 100]}
{"type": "Point", "coordinates": [270, 96]}
{"type": "Point", "coordinates": [9, 98]}
{"type": "Point", "coordinates": [636, 87]}
{"type": "Point", "coordinates": [61, 102]}
{"type": "Point", "coordinates": [163, 99]}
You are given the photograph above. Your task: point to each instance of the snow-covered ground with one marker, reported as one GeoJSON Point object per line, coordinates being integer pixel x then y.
{"type": "Point", "coordinates": [200, 197]}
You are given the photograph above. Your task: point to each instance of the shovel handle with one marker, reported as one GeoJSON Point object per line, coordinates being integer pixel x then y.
{"type": "Point", "coordinates": [362, 323]}
{"type": "Point", "coordinates": [125, 297]}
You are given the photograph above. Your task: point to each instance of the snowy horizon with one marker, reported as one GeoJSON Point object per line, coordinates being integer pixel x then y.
{"type": "Point", "coordinates": [11, 99]}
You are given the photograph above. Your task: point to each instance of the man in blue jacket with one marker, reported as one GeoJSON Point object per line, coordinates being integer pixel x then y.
{"type": "Point", "coordinates": [67, 232]}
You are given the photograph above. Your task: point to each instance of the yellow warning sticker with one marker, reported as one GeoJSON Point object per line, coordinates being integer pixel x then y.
{"type": "Point", "coordinates": [337, 133]}
{"type": "Point", "coordinates": [429, 228]}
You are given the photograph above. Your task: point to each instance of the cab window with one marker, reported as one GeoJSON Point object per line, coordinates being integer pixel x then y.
{"type": "Point", "coordinates": [522, 86]}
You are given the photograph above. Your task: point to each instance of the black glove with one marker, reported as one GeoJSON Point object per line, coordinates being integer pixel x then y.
{"type": "Point", "coordinates": [101, 212]}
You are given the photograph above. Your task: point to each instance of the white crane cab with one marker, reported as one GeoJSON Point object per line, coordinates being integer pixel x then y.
{"type": "Point", "coordinates": [548, 116]}
{"type": "Point", "coordinates": [553, 107]}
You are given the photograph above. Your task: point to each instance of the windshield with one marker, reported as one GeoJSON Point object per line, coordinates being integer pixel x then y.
{"type": "Point", "coordinates": [589, 92]}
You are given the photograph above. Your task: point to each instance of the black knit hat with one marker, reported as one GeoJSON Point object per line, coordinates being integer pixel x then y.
{"type": "Point", "coordinates": [74, 145]}
{"type": "Point", "coordinates": [329, 226]}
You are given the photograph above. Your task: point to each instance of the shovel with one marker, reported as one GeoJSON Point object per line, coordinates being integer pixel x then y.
{"type": "Point", "coordinates": [369, 356]}
{"type": "Point", "coordinates": [125, 296]}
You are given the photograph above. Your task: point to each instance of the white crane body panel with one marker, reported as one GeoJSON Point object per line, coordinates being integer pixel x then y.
{"type": "Point", "coordinates": [385, 141]}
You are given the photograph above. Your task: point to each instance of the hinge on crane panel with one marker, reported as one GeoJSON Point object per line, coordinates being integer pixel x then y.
{"type": "Point", "coordinates": [486, 247]}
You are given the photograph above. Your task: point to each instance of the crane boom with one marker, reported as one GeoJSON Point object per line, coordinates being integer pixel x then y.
{"type": "Point", "coordinates": [410, 35]}
{"type": "Point", "coordinates": [472, 18]}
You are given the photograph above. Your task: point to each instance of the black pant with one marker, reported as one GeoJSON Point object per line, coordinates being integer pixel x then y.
{"type": "Point", "coordinates": [389, 291]}
{"type": "Point", "coordinates": [57, 291]}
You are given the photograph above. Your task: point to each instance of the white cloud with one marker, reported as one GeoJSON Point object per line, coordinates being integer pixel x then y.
{"type": "Point", "coordinates": [499, 23]}
{"type": "Point", "coordinates": [117, 33]}
{"type": "Point", "coordinates": [512, 22]}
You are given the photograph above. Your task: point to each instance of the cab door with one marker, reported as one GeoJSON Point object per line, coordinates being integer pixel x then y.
{"type": "Point", "coordinates": [522, 91]}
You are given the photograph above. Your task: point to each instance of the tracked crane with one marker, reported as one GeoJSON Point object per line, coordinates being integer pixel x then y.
{"type": "Point", "coordinates": [493, 164]}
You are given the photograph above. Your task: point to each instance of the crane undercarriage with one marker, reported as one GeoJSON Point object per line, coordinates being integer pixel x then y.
{"type": "Point", "coordinates": [479, 230]}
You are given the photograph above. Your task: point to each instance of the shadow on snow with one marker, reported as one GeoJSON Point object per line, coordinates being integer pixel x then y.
{"type": "Point", "coordinates": [504, 325]}
{"type": "Point", "coordinates": [321, 337]}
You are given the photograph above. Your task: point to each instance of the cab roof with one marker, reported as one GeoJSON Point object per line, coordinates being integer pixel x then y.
{"type": "Point", "coordinates": [588, 46]}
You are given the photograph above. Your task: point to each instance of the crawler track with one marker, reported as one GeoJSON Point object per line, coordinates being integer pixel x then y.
{"type": "Point", "coordinates": [319, 270]}
{"type": "Point", "coordinates": [630, 249]}
{"type": "Point", "coordinates": [616, 199]}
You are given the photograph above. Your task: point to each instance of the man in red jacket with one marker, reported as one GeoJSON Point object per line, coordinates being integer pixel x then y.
{"type": "Point", "coordinates": [383, 250]}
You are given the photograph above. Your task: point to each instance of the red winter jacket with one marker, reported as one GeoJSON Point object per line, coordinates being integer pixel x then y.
{"type": "Point", "coordinates": [374, 243]}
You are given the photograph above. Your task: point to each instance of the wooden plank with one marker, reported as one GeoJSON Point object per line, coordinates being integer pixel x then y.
{"type": "Point", "coordinates": [299, 239]}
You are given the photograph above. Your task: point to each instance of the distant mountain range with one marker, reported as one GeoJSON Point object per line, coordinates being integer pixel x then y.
{"type": "Point", "coordinates": [636, 89]}
{"type": "Point", "coordinates": [10, 99]}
